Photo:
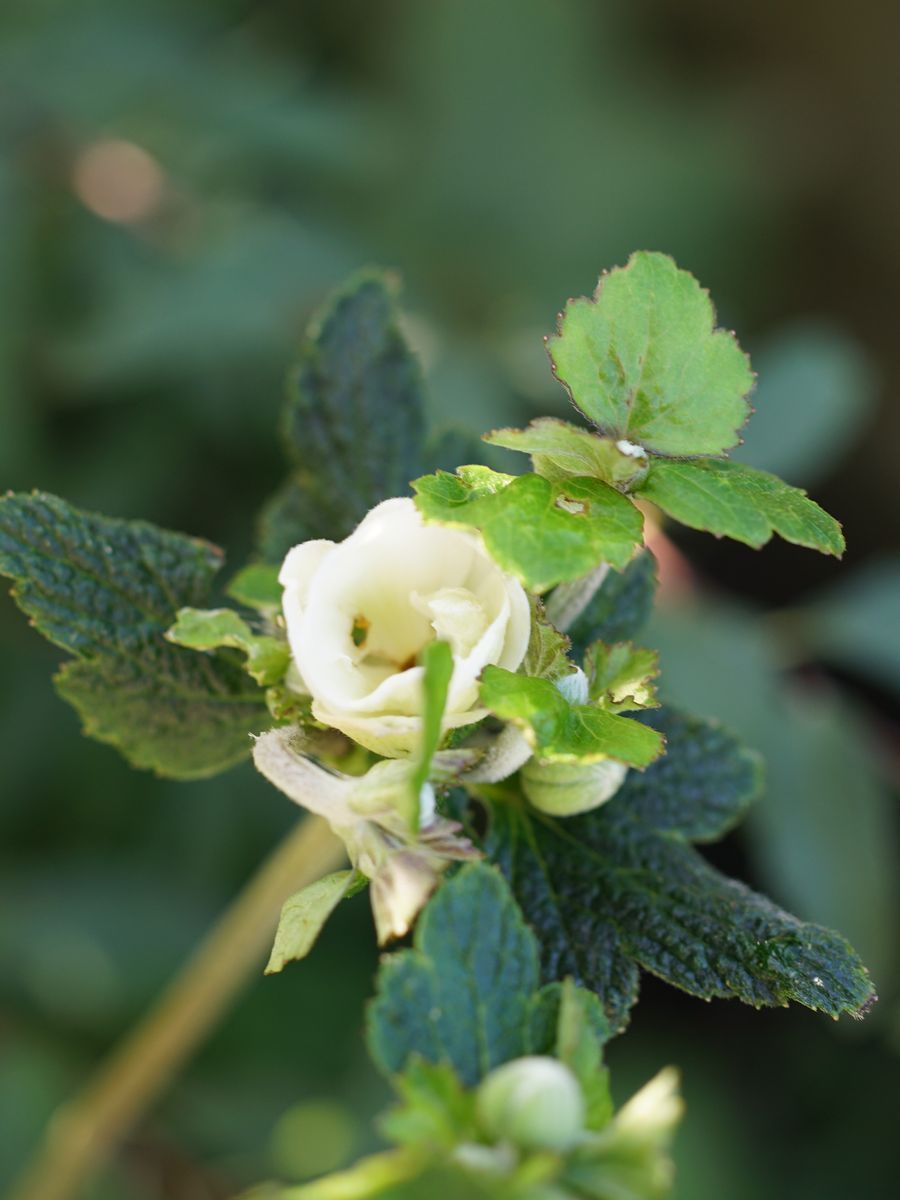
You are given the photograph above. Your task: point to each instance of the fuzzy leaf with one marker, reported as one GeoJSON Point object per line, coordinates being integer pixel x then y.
{"type": "Point", "coordinates": [463, 994]}
{"type": "Point", "coordinates": [621, 888]}
{"type": "Point", "coordinates": [731, 500]}
{"type": "Point", "coordinates": [644, 362]}
{"type": "Point", "coordinates": [303, 917]}
{"type": "Point", "coordinates": [106, 590]}
{"type": "Point", "coordinates": [561, 732]}
{"type": "Point", "coordinates": [621, 607]}
{"type": "Point", "coordinates": [353, 423]}
{"type": "Point", "coordinates": [540, 532]}
{"type": "Point", "coordinates": [214, 628]}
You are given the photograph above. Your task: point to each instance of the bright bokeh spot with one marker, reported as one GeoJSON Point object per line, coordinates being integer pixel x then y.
{"type": "Point", "coordinates": [118, 181]}
{"type": "Point", "coordinates": [313, 1138]}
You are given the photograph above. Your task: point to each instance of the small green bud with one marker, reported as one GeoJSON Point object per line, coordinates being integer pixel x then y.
{"type": "Point", "coordinates": [565, 789]}
{"type": "Point", "coordinates": [536, 1103]}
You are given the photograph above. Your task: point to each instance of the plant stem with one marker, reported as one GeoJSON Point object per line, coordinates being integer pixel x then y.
{"type": "Point", "coordinates": [569, 600]}
{"type": "Point", "coordinates": [85, 1131]}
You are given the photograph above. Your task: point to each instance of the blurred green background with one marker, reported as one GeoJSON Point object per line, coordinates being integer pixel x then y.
{"type": "Point", "coordinates": [180, 183]}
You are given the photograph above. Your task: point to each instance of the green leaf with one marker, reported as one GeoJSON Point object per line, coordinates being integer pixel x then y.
{"type": "Point", "coordinates": [644, 362]}
{"type": "Point", "coordinates": [731, 500]}
{"type": "Point", "coordinates": [353, 423]}
{"type": "Point", "coordinates": [561, 732]}
{"type": "Point", "coordinates": [463, 994]}
{"type": "Point", "coordinates": [619, 676]}
{"type": "Point", "coordinates": [540, 532]}
{"type": "Point", "coordinates": [559, 450]}
{"type": "Point", "coordinates": [547, 653]}
{"type": "Point", "coordinates": [569, 1023]}
{"type": "Point", "coordinates": [435, 1110]}
{"type": "Point", "coordinates": [106, 590]}
{"type": "Point", "coordinates": [438, 663]}
{"type": "Point", "coordinates": [214, 628]}
{"type": "Point", "coordinates": [303, 917]}
{"type": "Point", "coordinates": [621, 888]}
{"type": "Point", "coordinates": [621, 607]}
{"type": "Point", "coordinates": [257, 586]}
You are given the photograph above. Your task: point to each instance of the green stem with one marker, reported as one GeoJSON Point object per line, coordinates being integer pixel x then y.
{"type": "Point", "coordinates": [85, 1131]}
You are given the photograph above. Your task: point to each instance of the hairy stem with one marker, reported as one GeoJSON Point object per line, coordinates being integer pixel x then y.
{"type": "Point", "coordinates": [85, 1131]}
{"type": "Point", "coordinates": [568, 601]}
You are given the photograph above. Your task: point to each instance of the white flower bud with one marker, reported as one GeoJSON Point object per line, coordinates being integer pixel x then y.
{"type": "Point", "coordinates": [359, 613]}
{"type": "Point", "coordinates": [535, 1103]}
{"type": "Point", "coordinates": [566, 789]}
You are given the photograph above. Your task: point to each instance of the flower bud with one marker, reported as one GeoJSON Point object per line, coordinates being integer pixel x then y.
{"type": "Point", "coordinates": [535, 1103]}
{"type": "Point", "coordinates": [565, 789]}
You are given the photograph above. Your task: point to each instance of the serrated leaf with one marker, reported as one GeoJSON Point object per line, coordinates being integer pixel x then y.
{"type": "Point", "coordinates": [462, 995]}
{"type": "Point", "coordinates": [619, 676]}
{"type": "Point", "coordinates": [353, 423]}
{"type": "Point", "coordinates": [644, 361]}
{"type": "Point", "coordinates": [547, 653]}
{"type": "Point", "coordinates": [257, 586]}
{"type": "Point", "coordinates": [561, 732]}
{"type": "Point", "coordinates": [106, 590]}
{"type": "Point", "coordinates": [732, 500]}
{"type": "Point", "coordinates": [620, 608]}
{"type": "Point", "coordinates": [215, 628]}
{"type": "Point", "coordinates": [621, 888]}
{"type": "Point", "coordinates": [303, 917]}
{"type": "Point", "coordinates": [540, 532]}
{"type": "Point", "coordinates": [560, 450]}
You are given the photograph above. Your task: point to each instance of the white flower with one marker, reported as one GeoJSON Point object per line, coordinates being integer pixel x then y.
{"type": "Point", "coordinates": [360, 611]}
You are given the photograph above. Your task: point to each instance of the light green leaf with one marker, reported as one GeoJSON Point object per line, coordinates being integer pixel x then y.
{"type": "Point", "coordinates": [621, 888]}
{"type": "Point", "coordinates": [540, 532]}
{"type": "Point", "coordinates": [561, 732]}
{"type": "Point", "coordinates": [353, 423]}
{"type": "Point", "coordinates": [547, 653]}
{"type": "Point", "coordinates": [731, 500]}
{"type": "Point", "coordinates": [619, 676]}
{"type": "Point", "coordinates": [462, 995]}
{"type": "Point", "coordinates": [303, 917]}
{"type": "Point", "coordinates": [213, 628]}
{"type": "Point", "coordinates": [438, 663]}
{"type": "Point", "coordinates": [106, 590]}
{"type": "Point", "coordinates": [257, 586]}
{"type": "Point", "coordinates": [560, 450]}
{"type": "Point", "coordinates": [644, 362]}
{"type": "Point", "coordinates": [435, 1110]}
{"type": "Point", "coordinates": [569, 1023]}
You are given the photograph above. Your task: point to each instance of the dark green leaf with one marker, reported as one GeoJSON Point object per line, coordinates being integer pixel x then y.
{"type": "Point", "coordinates": [644, 362]}
{"type": "Point", "coordinates": [621, 888]}
{"type": "Point", "coordinates": [561, 732]}
{"type": "Point", "coordinates": [463, 994]}
{"type": "Point", "coordinates": [731, 500]}
{"type": "Point", "coordinates": [540, 532]}
{"type": "Point", "coordinates": [354, 424]}
{"type": "Point", "coordinates": [621, 606]}
{"type": "Point", "coordinates": [106, 590]}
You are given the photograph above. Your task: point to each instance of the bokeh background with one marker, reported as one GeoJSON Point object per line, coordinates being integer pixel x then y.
{"type": "Point", "coordinates": [181, 182]}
